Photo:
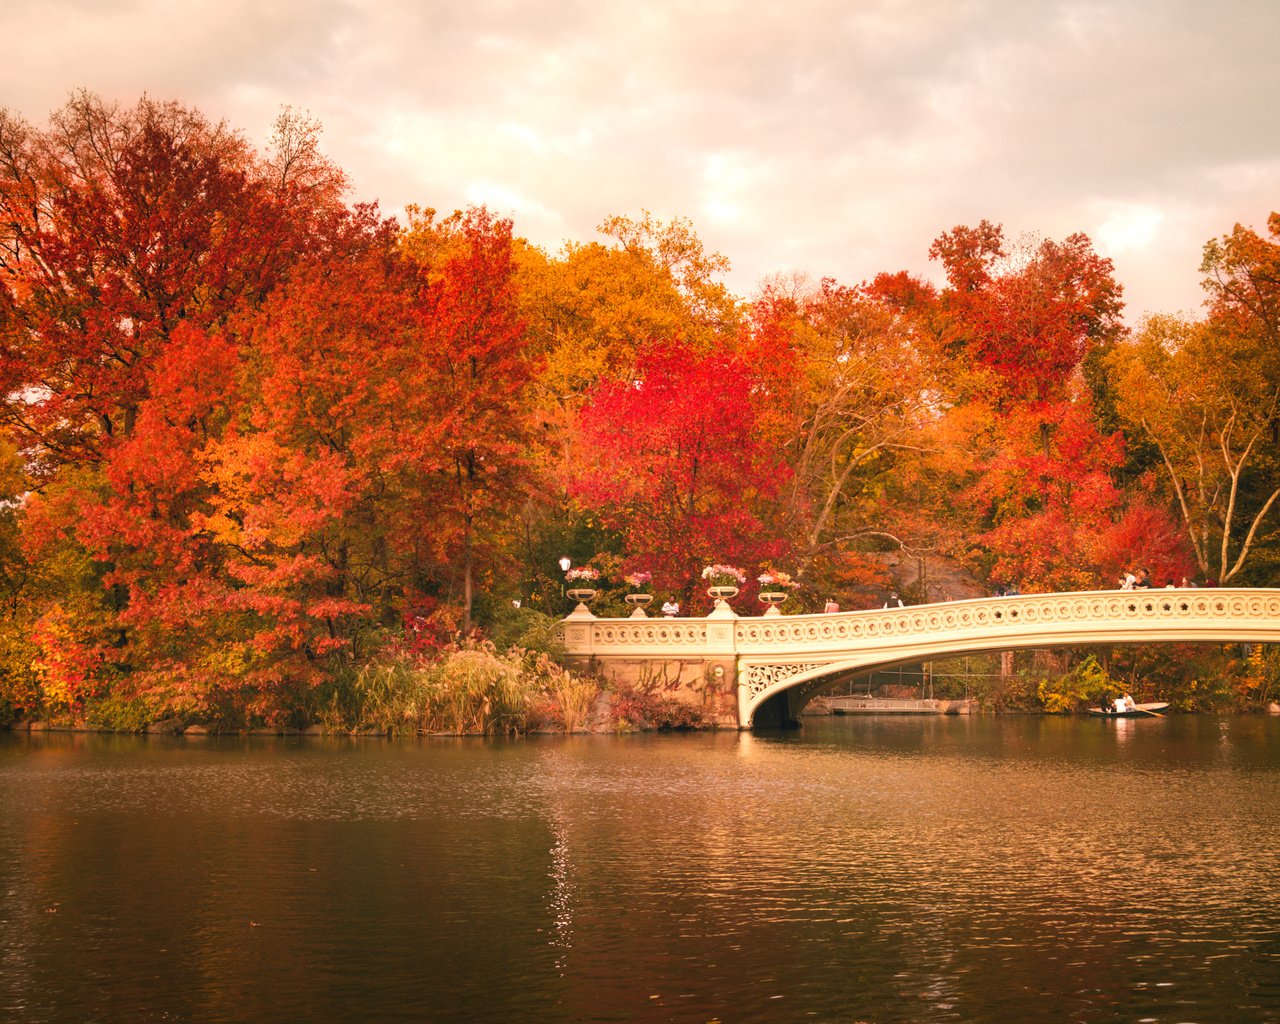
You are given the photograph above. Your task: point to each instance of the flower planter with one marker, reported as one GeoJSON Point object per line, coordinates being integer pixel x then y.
{"type": "Point", "coordinates": [582, 596]}
{"type": "Point", "coordinates": [638, 604]}
{"type": "Point", "coordinates": [722, 594]}
{"type": "Point", "coordinates": [772, 598]}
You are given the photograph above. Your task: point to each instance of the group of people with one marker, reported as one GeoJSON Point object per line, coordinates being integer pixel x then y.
{"type": "Point", "coordinates": [1118, 706]}
{"type": "Point", "coordinates": [671, 609]}
{"type": "Point", "coordinates": [1141, 580]}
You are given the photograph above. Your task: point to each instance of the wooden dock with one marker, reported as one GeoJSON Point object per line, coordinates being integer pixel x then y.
{"type": "Point", "coordinates": [897, 706]}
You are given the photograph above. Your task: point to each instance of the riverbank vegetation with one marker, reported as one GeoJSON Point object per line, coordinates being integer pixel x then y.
{"type": "Point", "coordinates": [269, 457]}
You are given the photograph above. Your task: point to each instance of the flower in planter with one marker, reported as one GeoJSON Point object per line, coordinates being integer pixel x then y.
{"type": "Point", "coordinates": [774, 580]}
{"type": "Point", "coordinates": [582, 574]}
{"type": "Point", "coordinates": [723, 576]}
{"type": "Point", "coordinates": [638, 581]}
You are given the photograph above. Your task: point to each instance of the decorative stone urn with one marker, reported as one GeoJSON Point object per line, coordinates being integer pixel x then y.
{"type": "Point", "coordinates": [638, 604]}
{"type": "Point", "coordinates": [582, 596]}
{"type": "Point", "coordinates": [772, 598]}
{"type": "Point", "coordinates": [722, 594]}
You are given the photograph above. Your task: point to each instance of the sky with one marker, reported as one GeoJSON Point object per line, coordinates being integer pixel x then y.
{"type": "Point", "coordinates": [827, 138]}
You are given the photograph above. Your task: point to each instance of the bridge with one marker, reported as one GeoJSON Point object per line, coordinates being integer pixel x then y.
{"type": "Point", "coordinates": [779, 662]}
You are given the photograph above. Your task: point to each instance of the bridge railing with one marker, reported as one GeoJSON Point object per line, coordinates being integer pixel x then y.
{"type": "Point", "coordinates": [1060, 615]}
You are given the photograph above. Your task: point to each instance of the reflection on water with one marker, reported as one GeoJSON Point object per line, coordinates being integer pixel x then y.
{"type": "Point", "coordinates": [886, 870]}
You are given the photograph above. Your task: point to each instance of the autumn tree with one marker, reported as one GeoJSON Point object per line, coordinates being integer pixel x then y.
{"type": "Point", "coordinates": [592, 309]}
{"type": "Point", "coordinates": [1243, 281]}
{"type": "Point", "coordinates": [1014, 429]}
{"type": "Point", "coordinates": [130, 238]}
{"type": "Point", "coordinates": [476, 369]}
{"type": "Point", "coordinates": [1206, 394]}
{"type": "Point", "coordinates": [853, 389]}
{"type": "Point", "coordinates": [673, 460]}
{"type": "Point", "coordinates": [116, 226]}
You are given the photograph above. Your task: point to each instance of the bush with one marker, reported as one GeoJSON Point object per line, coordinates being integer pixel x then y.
{"type": "Point", "coordinates": [119, 713]}
{"type": "Point", "coordinates": [641, 707]}
{"type": "Point", "coordinates": [1086, 684]}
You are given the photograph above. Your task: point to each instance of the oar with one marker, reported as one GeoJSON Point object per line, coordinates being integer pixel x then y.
{"type": "Point", "coordinates": [1153, 714]}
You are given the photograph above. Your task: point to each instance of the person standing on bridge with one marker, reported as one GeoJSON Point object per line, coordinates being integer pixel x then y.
{"type": "Point", "coordinates": [671, 609]}
{"type": "Point", "coordinates": [830, 606]}
{"type": "Point", "coordinates": [894, 600]}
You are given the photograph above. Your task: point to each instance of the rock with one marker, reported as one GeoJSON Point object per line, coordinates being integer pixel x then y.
{"type": "Point", "coordinates": [169, 726]}
{"type": "Point", "coordinates": [195, 729]}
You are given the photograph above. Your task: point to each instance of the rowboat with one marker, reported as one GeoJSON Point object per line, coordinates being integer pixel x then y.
{"type": "Point", "coordinates": [1137, 711]}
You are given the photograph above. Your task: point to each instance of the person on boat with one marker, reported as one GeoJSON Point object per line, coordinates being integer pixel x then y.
{"type": "Point", "coordinates": [1126, 703]}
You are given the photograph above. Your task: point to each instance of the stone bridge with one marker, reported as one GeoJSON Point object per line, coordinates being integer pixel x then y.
{"type": "Point", "coordinates": [781, 661]}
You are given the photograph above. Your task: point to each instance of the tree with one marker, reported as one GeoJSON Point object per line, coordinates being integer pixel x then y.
{"type": "Point", "coordinates": [131, 239]}
{"type": "Point", "coordinates": [1205, 394]}
{"type": "Point", "coordinates": [1243, 281]}
{"type": "Point", "coordinates": [854, 391]}
{"type": "Point", "coordinates": [477, 370]}
{"type": "Point", "coordinates": [1030, 317]}
{"type": "Point", "coordinates": [672, 459]}
{"type": "Point", "coordinates": [116, 226]}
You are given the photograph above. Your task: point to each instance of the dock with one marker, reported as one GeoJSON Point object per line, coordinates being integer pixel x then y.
{"type": "Point", "coordinates": [897, 706]}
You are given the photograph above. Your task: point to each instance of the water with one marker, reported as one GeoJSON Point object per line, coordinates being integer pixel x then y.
{"type": "Point", "coordinates": [879, 870]}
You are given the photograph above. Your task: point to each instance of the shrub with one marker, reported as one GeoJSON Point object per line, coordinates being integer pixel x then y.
{"type": "Point", "coordinates": [1087, 683]}
{"type": "Point", "coordinates": [643, 707]}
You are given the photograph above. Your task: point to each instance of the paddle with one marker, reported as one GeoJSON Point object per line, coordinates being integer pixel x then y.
{"type": "Point", "coordinates": [1153, 714]}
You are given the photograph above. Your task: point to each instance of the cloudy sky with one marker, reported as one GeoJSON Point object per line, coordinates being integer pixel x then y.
{"type": "Point", "coordinates": [828, 137]}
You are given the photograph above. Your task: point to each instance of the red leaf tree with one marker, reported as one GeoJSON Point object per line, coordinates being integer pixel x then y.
{"type": "Point", "coordinates": [672, 458]}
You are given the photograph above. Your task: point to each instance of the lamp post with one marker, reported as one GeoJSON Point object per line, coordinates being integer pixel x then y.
{"type": "Point", "coordinates": [564, 568]}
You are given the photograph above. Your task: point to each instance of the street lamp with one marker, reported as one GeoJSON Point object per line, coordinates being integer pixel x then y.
{"type": "Point", "coordinates": [564, 568]}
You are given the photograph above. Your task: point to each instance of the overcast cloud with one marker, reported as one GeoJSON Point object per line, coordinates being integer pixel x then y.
{"type": "Point", "coordinates": [829, 138]}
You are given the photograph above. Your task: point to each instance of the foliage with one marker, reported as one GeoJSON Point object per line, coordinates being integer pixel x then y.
{"type": "Point", "coordinates": [672, 459]}
{"type": "Point", "coordinates": [1086, 684]}
{"type": "Point", "coordinates": [267, 457]}
{"type": "Point", "coordinates": [117, 712]}
{"type": "Point", "coordinates": [1207, 396]}
{"type": "Point", "coordinates": [646, 707]}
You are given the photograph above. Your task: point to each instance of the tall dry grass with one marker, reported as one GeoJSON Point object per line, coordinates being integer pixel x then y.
{"type": "Point", "coordinates": [469, 689]}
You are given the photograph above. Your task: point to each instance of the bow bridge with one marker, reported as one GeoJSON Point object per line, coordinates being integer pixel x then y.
{"type": "Point", "coordinates": [782, 661]}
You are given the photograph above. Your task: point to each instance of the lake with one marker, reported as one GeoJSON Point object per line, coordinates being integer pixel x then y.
{"type": "Point", "coordinates": [1010, 869]}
